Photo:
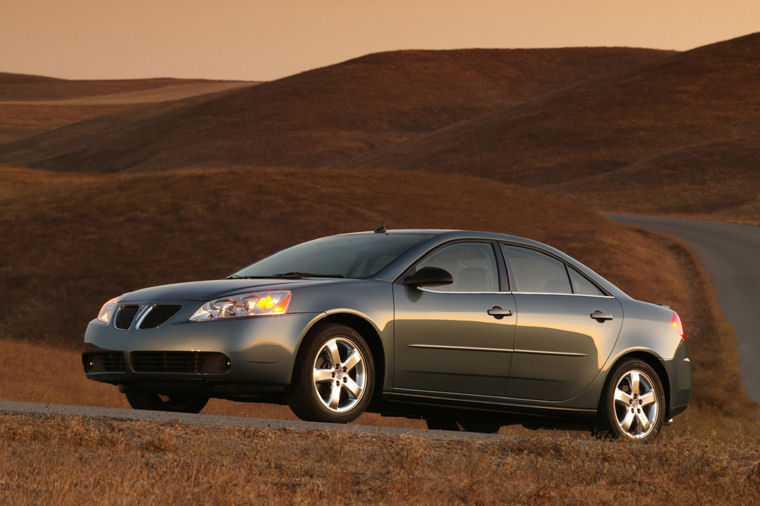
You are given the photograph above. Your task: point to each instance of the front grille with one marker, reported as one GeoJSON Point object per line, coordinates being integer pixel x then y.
{"type": "Point", "coordinates": [112, 361]}
{"type": "Point", "coordinates": [125, 316]}
{"type": "Point", "coordinates": [186, 362]}
{"type": "Point", "coordinates": [157, 315]}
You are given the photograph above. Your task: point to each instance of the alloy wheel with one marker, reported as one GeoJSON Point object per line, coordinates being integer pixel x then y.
{"type": "Point", "coordinates": [636, 404]}
{"type": "Point", "coordinates": [339, 375]}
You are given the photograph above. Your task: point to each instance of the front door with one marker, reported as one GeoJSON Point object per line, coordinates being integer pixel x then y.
{"type": "Point", "coordinates": [445, 338]}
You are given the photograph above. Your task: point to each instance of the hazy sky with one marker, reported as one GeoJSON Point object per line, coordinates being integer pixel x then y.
{"type": "Point", "coordinates": [266, 39]}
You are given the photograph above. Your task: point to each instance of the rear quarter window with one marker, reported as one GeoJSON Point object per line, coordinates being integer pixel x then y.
{"type": "Point", "coordinates": [581, 285]}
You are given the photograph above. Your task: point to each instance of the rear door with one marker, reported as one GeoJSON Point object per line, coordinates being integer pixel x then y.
{"type": "Point", "coordinates": [566, 327]}
{"type": "Point", "coordinates": [445, 338]}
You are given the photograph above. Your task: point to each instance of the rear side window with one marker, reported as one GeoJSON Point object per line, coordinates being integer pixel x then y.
{"type": "Point", "coordinates": [536, 272]}
{"type": "Point", "coordinates": [581, 285]}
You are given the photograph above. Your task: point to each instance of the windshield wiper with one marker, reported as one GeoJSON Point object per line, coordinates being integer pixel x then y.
{"type": "Point", "coordinates": [287, 275]}
{"type": "Point", "coordinates": [299, 275]}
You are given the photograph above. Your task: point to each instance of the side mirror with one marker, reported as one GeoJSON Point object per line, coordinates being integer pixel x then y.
{"type": "Point", "coordinates": [429, 276]}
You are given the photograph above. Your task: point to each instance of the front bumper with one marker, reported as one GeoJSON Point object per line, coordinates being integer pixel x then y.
{"type": "Point", "coordinates": [259, 350]}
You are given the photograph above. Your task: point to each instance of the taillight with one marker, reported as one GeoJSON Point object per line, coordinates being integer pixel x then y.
{"type": "Point", "coordinates": [676, 323]}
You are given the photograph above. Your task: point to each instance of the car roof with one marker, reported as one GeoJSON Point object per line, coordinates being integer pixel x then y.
{"type": "Point", "coordinates": [450, 234]}
{"type": "Point", "coordinates": [441, 232]}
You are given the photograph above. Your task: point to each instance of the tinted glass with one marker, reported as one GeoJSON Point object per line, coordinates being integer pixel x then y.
{"type": "Point", "coordinates": [350, 256]}
{"type": "Point", "coordinates": [472, 265]}
{"type": "Point", "coordinates": [537, 272]}
{"type": "Point", "coordinates": [582, 285]}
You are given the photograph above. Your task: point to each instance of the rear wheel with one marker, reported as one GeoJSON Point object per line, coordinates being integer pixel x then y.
{"type": "Point", "coordinates": [334, 376]}
{"type": "Point", "coordinates": [175, 403]}
{"type": "Point", "coordinates": [634, 402]}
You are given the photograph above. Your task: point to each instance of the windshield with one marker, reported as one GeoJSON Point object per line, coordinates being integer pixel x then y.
{"type": "Point", "coordinates": [347, 256]}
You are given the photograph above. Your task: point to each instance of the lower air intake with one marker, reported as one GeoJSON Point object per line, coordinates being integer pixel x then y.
{"type": "Point", "coordinates": [104, 362]}
{"type": "Point", "coordinates": [180, 362]}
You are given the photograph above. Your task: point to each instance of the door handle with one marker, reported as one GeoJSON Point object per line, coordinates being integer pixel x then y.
{"type": "Point", "coordinates": [600, 316]}
{"type": "Point", "coordinates": [499, 313]}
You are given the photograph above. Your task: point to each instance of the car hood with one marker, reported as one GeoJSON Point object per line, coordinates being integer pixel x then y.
{"type": "Point", "coordinates": [213, 289]}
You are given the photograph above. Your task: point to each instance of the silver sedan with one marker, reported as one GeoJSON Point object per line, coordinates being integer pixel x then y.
{"type": "Point", "coordinates": [468, 330]}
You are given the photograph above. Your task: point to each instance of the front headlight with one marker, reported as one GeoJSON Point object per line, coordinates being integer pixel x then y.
{"type": "Point", "coordinates": [271, 302]}
{"type": "Point", "coordinates": [106, 312]}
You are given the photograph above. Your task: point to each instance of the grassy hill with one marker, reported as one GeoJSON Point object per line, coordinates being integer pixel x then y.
{"type": "Point", "coordinates": [325, 116]}
{"type": "Point", "coordinates": [547, 118]}
{"type": "Point", "coordinates": [31, 87]}
{"type": "Point", "coordinates": [20, 120]}
{"type": "Point", "coordinates": [32, 105]}
{"type": "Point", "coordinates": [684, 105]}
{"type": "Point", "coordinates": [719, 180]}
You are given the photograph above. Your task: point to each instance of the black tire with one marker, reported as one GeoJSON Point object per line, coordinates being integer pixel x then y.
{"type": "Point", "coordinates": [312, 394]}
{"type": "Point", "coordinates": [174, 403]}
{"type": "Point", "coordinates": [641, 410]}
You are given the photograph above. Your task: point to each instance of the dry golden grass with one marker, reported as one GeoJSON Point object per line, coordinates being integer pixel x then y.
{"type": "Point", "coordinates": [19, 120]}
{"type": "Point", "coordinates": [716, 180]}
{"type": "Point", "coordinates": [75, 461]}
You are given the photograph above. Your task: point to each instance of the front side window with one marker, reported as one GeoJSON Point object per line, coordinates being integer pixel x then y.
{"type": "Point", "coordinates": [537, 272]}
{"type": "Point", "coordinates": [472, 265]}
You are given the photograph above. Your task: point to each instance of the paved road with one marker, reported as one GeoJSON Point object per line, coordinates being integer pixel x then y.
{"type": "Point", "coordinates": [731, 254]}
{"type": "Point", "coordinates": [120, 414]}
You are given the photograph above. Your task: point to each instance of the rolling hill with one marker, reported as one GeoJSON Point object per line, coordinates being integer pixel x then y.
{"type": "Point", "coordinates": [700, 96]}
{"type": "Point", "coordinates": [19, 120]}
{"type": "Point", "coordinates": [30, 87]}
{"type": "Point", "coordinates": [719, 180]}
{"type": "Point", "coordinates": [325, 116]}
{"type": "Point", "coordinates": [538, 118]}
{"type": "Point", "coordinates": [602, 126]}
{"type": "Point", "coordinates": [31, 105]}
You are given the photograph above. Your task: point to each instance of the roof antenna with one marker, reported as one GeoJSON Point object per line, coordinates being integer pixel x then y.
{"type": "Point", "coordinates": [381, 229]}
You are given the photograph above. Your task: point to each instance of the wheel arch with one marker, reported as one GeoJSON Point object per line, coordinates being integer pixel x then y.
{"type": "Point", "coordinates": [365, 328]}
{"type": "Point", "coordinates": [654, 362]}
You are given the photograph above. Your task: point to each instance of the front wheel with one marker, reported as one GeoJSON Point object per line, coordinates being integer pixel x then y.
{"type": "Point", "coordinates": [174, 403]}
{"type": "Point", "coordinates": [334, 376]}
{"type": "Point", "coordinates": [634, 402]}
